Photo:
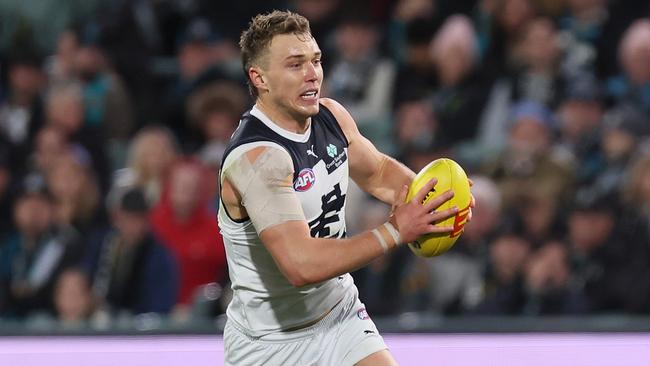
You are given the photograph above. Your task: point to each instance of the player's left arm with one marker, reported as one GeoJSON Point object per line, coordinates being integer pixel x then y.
{"type": "Point", "coordinates": [375, 172]}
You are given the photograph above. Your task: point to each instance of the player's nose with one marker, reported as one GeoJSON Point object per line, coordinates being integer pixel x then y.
{"type": "Point", "coordinates": [311, 73]}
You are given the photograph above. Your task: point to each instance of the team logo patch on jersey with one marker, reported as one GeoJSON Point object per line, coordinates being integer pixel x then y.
{"type": "Point", "coordinates": [305, 180]}
{"type": "Point", "coordinates": [331, 150]}
{"type": "Point", "coordinates": [363, 314]}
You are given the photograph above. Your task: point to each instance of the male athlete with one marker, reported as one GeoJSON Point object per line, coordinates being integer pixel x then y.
{"type": "Point", "coordinates": [284, 179]}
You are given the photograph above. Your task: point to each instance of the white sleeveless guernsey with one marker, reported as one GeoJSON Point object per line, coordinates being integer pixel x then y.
{"type": "Point", "coordinates": [264, 301]}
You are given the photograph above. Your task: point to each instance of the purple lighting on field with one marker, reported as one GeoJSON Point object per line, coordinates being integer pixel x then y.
{"type": "Point", "coordinates": [421, 349]}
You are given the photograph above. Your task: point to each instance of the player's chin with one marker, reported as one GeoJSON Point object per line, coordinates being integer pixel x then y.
{"type": "Point", "coordinates": [310, 108]}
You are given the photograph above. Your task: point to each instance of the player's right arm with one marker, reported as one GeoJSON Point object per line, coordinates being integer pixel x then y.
{"type": "Point", "coordinates": [259, 184]}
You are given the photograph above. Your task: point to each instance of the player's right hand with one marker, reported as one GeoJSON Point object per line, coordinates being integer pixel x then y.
{"type": "Point", "coordinates": [413, 219]}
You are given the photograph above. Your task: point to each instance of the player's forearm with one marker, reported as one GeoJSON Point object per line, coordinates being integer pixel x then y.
{"type": "Point", "coordinates": [330, 258]}
{"type": "Point", "coordinates": [319, 259]}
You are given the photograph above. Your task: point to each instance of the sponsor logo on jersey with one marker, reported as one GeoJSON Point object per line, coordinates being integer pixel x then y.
{"type": "Point", "coordinates": [338, 157]}
{"type": "Point", "coordinates": [305, 180]}
{"type": "Point", "coordinates": [331, 150]}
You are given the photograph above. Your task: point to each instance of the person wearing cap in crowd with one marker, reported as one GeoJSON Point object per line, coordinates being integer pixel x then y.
{"type": "Point", "coordinates": [204, 57]}
{"type": "Point", "coordinates": [33, 256]}
{"type": "Point", "coordinates": [131, 271]}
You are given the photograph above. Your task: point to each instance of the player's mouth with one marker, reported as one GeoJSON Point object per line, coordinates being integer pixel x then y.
{"type": "Point", "coordinates": [310, 95]}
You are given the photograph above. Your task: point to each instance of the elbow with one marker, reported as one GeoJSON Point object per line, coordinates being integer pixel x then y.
{"type": "Point", "coordinates": [298, 281]}
{"type": "Point", "coordinates": [299, 276]}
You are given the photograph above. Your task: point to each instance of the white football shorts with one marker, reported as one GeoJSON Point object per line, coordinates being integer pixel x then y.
{"type": "Point", "coordinates": [343, 337]}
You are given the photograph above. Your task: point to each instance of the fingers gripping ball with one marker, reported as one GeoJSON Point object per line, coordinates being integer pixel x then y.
{"type": "Point", "coordinates": [450, 175]}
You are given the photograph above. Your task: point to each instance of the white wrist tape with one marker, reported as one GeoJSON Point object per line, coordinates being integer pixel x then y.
{"type": "Point", "coordinates": [394, 233]}
{"type": "Point", "coordinates": [381, 239]}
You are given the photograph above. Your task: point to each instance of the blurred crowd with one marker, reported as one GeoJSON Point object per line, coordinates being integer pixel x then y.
{"type": "Point", "coordinates": [114, 116]}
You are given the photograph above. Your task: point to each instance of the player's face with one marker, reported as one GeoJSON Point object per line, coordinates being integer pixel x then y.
{"type": "Point", "coordinates": [293, 75]}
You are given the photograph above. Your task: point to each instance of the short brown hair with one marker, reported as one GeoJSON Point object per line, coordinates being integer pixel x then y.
{"type": "Point", "coordinates": [260, 32]}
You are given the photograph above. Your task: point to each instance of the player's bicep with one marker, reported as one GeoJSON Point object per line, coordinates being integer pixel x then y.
{"type": "Point", "coordinates": [365, 162]}
{"type": "Point", "coordinates": [263, 178]}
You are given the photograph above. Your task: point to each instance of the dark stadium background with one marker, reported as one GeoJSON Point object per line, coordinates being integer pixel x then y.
{"type": "Point", "coordinates": [114, 116]}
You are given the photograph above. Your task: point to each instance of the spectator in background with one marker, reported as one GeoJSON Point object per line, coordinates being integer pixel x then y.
{"type": "Point", "coordinates": [547, 279]}
{"type": "Point", "coordinates": [405, 15]}
{"type": "Point", "coordinates": [609, 248]}
{"type": "Point", "coordinates": [76, 195]}
{"type": "Point", "coordinates": [73, 300]}
{"type": "Point", "coordinates": [580, 115]}
{"type": "Point", "coordinates": [536, 73]}
{"type": "Point", "coordinates": [131, 271]}
{"type": "Point", "coordinates": [485, 219]}
{"type": "Point", "coordinates": [151, 153]}
{"type": "Point", "coordinates": [529, 72]}
{"type": "Point", "coordinates": [184, 220]}
{"type": "Point", "coordinates": [416, 128]}
{"type": "Point", "coordinates": [529, 163]}
{"type": "Point", "coordinates": [500, 23]}
{"type": "Point", "coordinates": [108, 109]}
{"type": "Point", "coordinates": [624, 130]}
{"type": "Point", "coordinates": [415, 77]}
{"type": "Point", "coordinates": [540, 216]}
{"type": "Point", "coordinates": [459, 98]}
{"type": "Point", "coordinates": [504, 291]}
{"type": "Point", "coordinates": [581, 30]}
{"type": "Point", "coordinates": [415, 133]}
{"type": "Point", "coordinates": [323, 18]}
{"type": "Point", "coordinates": [42, 21]}
{"type": "Point", "coordinates": [214, 112]}
{"type": "Point", "coordinates": [65, 112]}
{"type": "Point", "coordinates": [35, 254]}
{"type": "Point", "coordinates": [636, 191]}
{"type": "Point", "coordinates": [634, 56]}
{"type": "Point", "coordinates": [60, 67]}
{"type": "Point", "coordinates": [361, 78]}
{"type": "Point", "coordinates": [107, 106]}
{"type": "Point", "coordinates": [6, 179]}
{"type": "Point", "coordinates": [49, 144]}
{"type": "Point", "coordinates": [204, 56]}
{"type": "Point", "coordinates": [21, 112]}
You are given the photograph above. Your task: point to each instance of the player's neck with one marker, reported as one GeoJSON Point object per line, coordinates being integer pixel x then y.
{"type": "Point", "coordinates": [284, 120]}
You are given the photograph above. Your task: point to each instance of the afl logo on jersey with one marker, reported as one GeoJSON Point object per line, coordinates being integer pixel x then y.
{"type": "Point", "coordinates": [305, 180]}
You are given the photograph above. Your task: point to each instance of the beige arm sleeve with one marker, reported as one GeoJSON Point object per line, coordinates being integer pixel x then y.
{"type": "Point", "coordinates": [263, 177]}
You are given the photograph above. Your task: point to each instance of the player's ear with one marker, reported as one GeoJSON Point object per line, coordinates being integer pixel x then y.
{"type": "Point", "coordinates": [257, 77]}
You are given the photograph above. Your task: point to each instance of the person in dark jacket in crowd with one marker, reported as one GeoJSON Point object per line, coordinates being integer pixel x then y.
{"type": "Point", "coordinates": [131, 271]}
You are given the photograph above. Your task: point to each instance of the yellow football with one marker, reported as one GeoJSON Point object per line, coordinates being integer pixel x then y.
{"type": "Point", "coordinates": [450, 175]}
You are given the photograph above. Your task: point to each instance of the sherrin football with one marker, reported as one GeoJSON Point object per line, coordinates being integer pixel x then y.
{"type": "Point", "coordinates": [450, 175]}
